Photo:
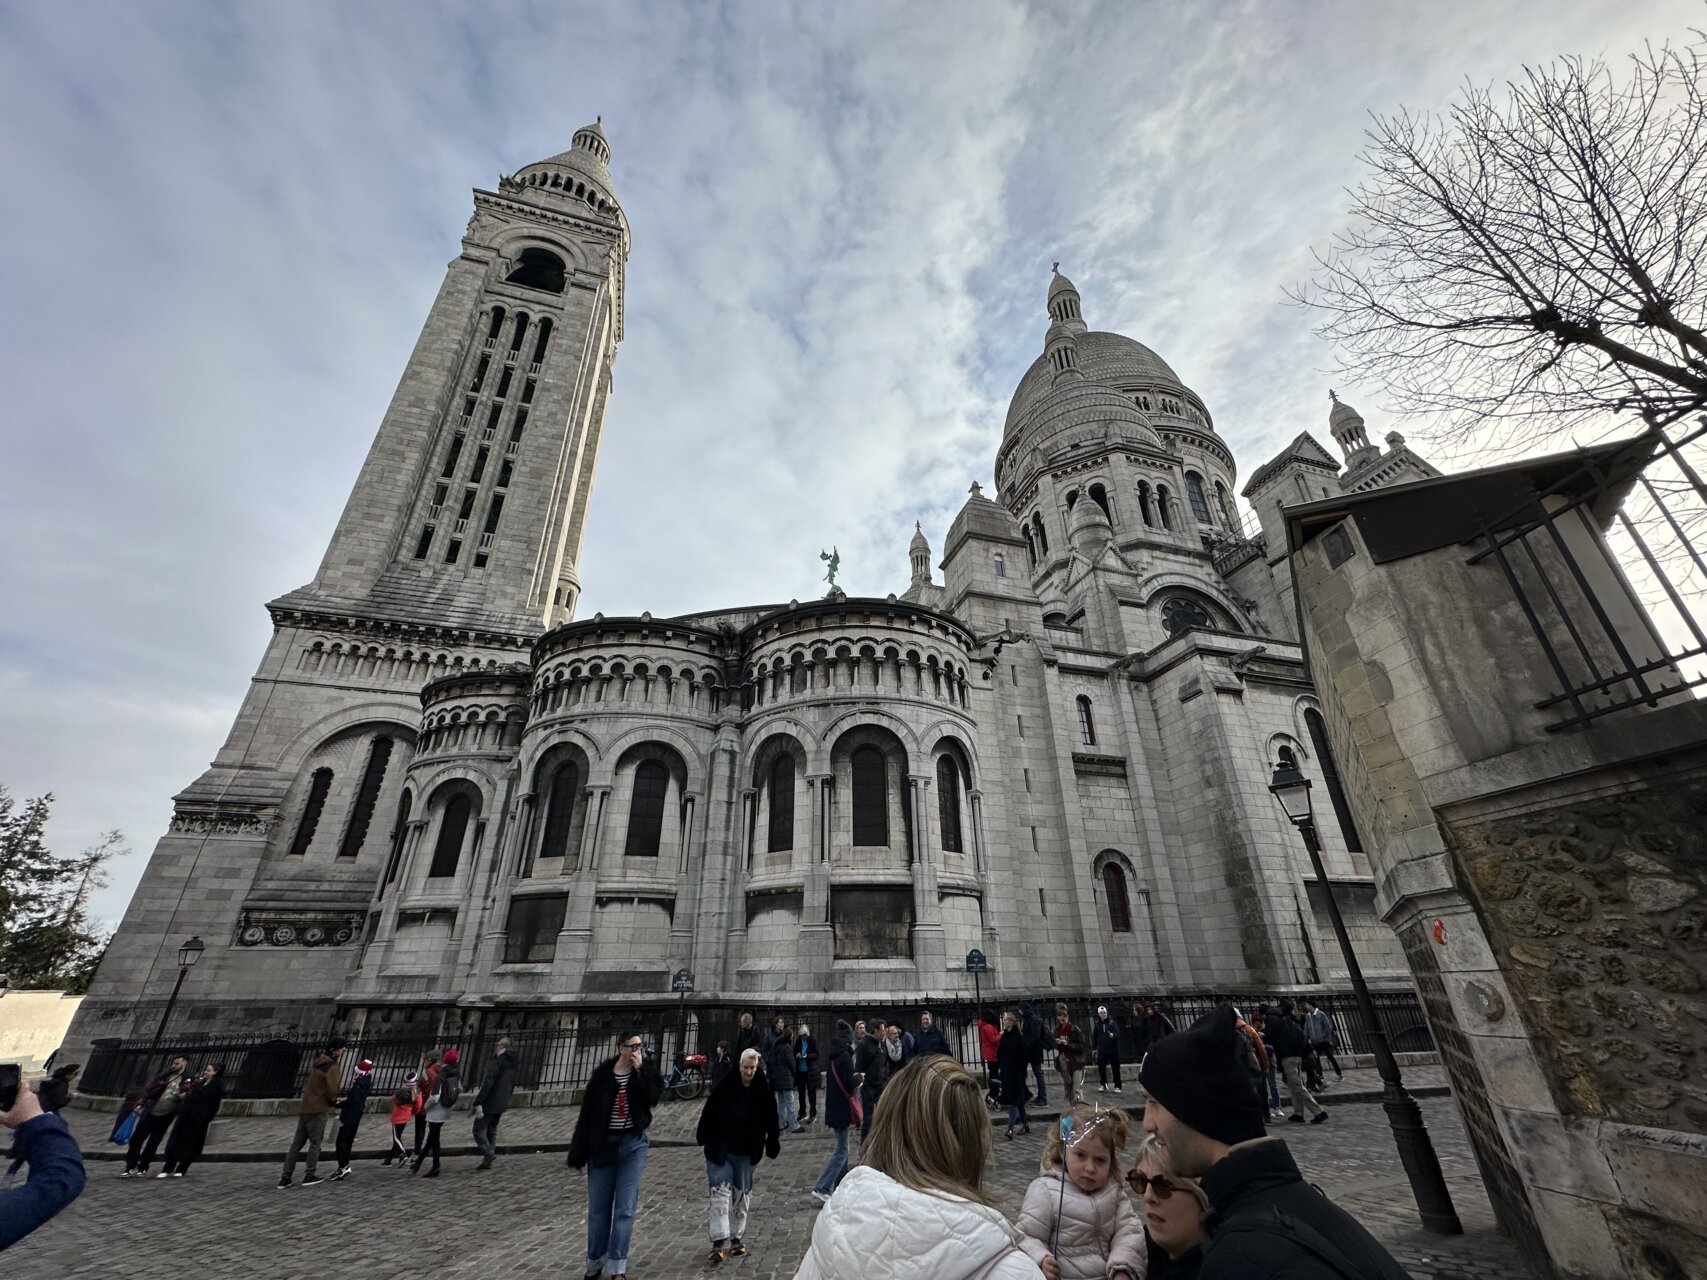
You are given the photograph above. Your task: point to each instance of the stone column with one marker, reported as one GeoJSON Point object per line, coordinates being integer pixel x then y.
{"type": "Point", "coordinates": [930, 940]}
{"type": "Point", "coordinates": [749, 816]}
{"type": "Point", "coordinates": [817, 937]}
{"type": "Point", "coordinates": [575, 941]}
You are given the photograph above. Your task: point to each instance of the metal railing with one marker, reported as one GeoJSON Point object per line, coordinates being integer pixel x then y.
{"type": "Point", "coordinates": [261, 1066]}
{"type": "Point", "coordinates": [1616, 615]}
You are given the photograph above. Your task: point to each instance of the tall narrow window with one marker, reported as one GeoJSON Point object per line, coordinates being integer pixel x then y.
{"type": "Point", "coordinates": [318, 786]}
{"type": "Point", "coordinates": [1087, 725]}
{"type": "Point", "coordinates": [1099, 495]}
{"type": "Point", "coordinates": [782, 805]}
{"type": "Point", "coordinates": [367, 796]}
{"type": "Point", "coordinates": [453, 828]}
{"type": "Point", "coordinates": [1001, 565]}
{"type": "Point", "coordinates": [559, 810]}
{"type": "Point", "coordinates": [399, 834]}
{"type": "Point", "coordinates": [1164, 506]}
{"type": "Point", "coordinates": [1119, 905]}
{"type": "Point", "coordinates": [646, 811]}
{"type": "Point", "coordinates": [497, 323]}
{"type": "Point", "coordinates": [1331, 778]}
{"type": "Point", "coordinates": [1144, 512]}
{"type": "Point", "coordinates": [480, 373]}
{"type": "Point", "coordinates": [1199, 501]}
{"type": "Point", "coordinates": [544, 338]}
{"type": "Point", "coordinates": [948, 803]}
{"type": "Point", "coordinates": [520, 332]}
{"type": "Point", "coordinates": [453, 455]}
{"type": "Point", "coordinates": [1042, 536]}
{"type": "Point", "coordinates": [870, 797]}
{"type": "Point", "coordinates": [1225, 502]}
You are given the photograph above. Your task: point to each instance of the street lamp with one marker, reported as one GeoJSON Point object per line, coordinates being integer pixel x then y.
{"type": "Point", "coordinates": [188, 954]}
{"type": "Point", "coordinates": [1416, 1150]}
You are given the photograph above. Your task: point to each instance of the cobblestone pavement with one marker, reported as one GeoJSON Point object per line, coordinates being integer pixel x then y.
{"type": "Point", "coordinates": [525, 1220]}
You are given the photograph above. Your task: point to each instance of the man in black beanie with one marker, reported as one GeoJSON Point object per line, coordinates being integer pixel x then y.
{"type": "Point", "coordinates": [1264, 1219]}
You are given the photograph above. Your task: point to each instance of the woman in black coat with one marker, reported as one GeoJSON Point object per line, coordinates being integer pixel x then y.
{"type": "Point", "coordinates": [610, 1143]}
{"type": "Point", "coordinates": [841, 1088]}
{"type": "Point", "coordinates": [779, 1067]}
{"type": "Point", "coordinates": [1013, 1060]}
{"type": "Point", "coordinates": [189, 1131]}
{"type": "Point", "coordinates": [737, 1128]}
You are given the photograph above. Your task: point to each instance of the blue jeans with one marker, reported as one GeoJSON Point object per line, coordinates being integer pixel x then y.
{"type": "Point", "coordinates": [1273, 1090]}
{"type": "Point", "coordinates": [1042, 1089]}
{"type": "Point", "coordinates": [837, 1166]}
{"type": "Point", "coordinates": [612, 1194]}
{"type": "Point", "coordinates": [787, 1115]}
{"type": "Point", "coordinates": [1016, 1115]}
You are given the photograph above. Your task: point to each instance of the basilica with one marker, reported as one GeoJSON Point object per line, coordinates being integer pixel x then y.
{"type": "Point", "coordinates": [1051, 744]}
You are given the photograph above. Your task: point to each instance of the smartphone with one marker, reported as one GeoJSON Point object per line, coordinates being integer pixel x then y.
{"type": "Point", "coordinates": [10, 1076]}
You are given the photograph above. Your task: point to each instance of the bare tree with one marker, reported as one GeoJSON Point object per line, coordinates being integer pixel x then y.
{"type": "Point", "coordinates": [1533, 261]}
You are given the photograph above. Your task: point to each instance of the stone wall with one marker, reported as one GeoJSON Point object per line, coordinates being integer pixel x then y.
{"type": "Point", "coordinates": [1598, 910]}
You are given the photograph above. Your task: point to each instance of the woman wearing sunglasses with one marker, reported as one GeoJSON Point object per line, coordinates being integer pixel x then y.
{"type": "Point", "coordinates": [610, 1143]}
{"type": "Point", "coordinates": [1173, 1209]}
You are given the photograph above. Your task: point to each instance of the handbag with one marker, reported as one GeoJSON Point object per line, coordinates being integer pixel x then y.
{"type": "Point", "coordinates": [123, 1130]}
{"type": "Point", "coordinates": [854, 1107]}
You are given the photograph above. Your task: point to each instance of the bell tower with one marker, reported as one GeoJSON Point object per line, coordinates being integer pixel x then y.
{"type": "Point", "coordinates": [471, 506]}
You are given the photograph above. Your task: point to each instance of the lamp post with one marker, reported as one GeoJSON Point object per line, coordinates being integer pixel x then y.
{"type": "Point", "coordinates": [188, 954]}
{"type": "Point", "coordinates": [1416, 1149]}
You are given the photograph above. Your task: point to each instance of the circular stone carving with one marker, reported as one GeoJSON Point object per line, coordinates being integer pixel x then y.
{"type": "Point", "coordinates": [314, 935]}
{"type": "Point", "coordinates": [343, 935]}
{"type": "Point", "coordinates": [252, 936]}
{"type": "Point", "coordinates": [283, 936]}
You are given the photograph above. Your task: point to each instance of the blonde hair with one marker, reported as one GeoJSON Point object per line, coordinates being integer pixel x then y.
{"type": "Point", "coordinates": [1111, 1128]}
{"type": "Point", "coordinates": [931, 1132]}
{"type": "Point", "coordinates": [1153, 1151]}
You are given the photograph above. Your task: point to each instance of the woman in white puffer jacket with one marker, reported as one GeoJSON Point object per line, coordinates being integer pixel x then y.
{"type": "Point", "coordinates": [915, 1208]}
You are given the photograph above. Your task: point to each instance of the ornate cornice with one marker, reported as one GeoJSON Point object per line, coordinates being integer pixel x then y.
{"type": "Point", "coordinates": [224, 820]}
{"type": "Point", "coordinates": [306, 928]}
{"type": "Point", "coordinates": [343, 622]}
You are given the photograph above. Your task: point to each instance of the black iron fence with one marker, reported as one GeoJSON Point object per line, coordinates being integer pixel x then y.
{"type": "Point", "coordinates": [1617, 614]}
{"type": "Point", "coordinates": [563, 1057]}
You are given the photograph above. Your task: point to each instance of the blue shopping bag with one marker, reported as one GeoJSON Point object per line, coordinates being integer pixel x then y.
{"type": "Point", "coordinates": [123, 1129]}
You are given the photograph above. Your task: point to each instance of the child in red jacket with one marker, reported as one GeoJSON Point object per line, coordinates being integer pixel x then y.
{"type": "Point", "coordinates": [402, 1112]}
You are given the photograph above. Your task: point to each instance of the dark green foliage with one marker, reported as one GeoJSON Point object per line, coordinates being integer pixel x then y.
{"type": "Point", "coordinates": [46, 940]}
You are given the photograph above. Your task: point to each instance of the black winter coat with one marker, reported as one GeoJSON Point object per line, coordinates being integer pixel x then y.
{"type": "Point", "coordinates": [1012, 1061]}
{"type": "Point", "coordinates": [355, 1099]}
{"type": "Point", "coordinates": [1035, 1034]}
{"type": "Point", "coordinates": [1105, 1039]}
{"type": "Point", "coordinates": [593, 1123]}
{"type": "Point", "coordinates": [779, 1064]}
{"type": "Point", "coordinates": [807, 1047]}
{"type": "Point", "coordinates": [54, 1092]}
{"type": "Point", "coordinates": [494, 1095]}
{"type": "Point", "coordinates": [872, 1062]}
{"type": "Point", "coordinates": [840, 1077]}
{"type": "Point", "coordinates": [195, 1114]}
{"type": "Point", "coordinates": [1283, 1032]}
{"type": "Point", "coordinates": [1267, 1223]}
{"type": "Point", "coordinates": [739, 1119]}
{"type": "Point", "coordinates": [930, 1040]}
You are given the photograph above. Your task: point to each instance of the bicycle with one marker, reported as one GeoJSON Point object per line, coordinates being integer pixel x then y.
{"type": "Point", "coordinates": [686, 1079]}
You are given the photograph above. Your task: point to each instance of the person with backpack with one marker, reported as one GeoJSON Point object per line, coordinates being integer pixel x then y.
{"type": "Point", "coordinates": [1266, 1220]}
{"type": "Point", "coordinates": [445, 1093]}
{"type": "Point", "coordinates": [493, 1100]}
{"type": "Point", "coordinates": [402, 1112]}
{"type": "Point", "coordinates": [1036, 1039]}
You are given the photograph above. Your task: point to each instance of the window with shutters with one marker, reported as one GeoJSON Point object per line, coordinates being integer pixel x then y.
{"type": "Point", "coordinates": [318, 786]}
{"type": "Point", "coordinates": [1119, 904]}
{"type": "Point", "coordinates": [373, 777]}
{"type": "Point", "coordinates": [948, 803]}
{"type": "Point", "coordinates": [453, 829]}
{"type": "Point", "coordinates": [782, 805]}
{"type": "Point", "coordinates": [646, 810]}
{"type": "Point", "coordinates": [870, 797]}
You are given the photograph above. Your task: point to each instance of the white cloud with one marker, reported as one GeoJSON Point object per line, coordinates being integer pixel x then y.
{"type": "Point", "coordinates": [227, 226]}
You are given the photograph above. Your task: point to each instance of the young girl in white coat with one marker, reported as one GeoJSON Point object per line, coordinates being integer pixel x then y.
{"type": "Point", "coordinates": [1078, 1221]}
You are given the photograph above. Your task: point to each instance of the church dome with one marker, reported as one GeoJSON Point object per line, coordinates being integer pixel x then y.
{"type": "Point", "coordinates": [583, 171]}
{"type": "Point", "coordinates": [1111, 359]}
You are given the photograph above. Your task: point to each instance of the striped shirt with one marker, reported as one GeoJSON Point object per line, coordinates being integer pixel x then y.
{"type": "Point", "coordinates": [620, 1119]}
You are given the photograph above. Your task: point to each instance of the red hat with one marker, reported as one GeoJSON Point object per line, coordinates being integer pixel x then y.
{"type": "Point", "coordinates": [451, 1056]}
{"type": "Point", "coordinates": [366, 1064]}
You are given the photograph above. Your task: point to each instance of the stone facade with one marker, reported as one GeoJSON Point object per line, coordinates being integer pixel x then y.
{"type": "Point", "coordinates": [1547, 882]}
{"type": "Point", "coordinates": [444, 794]}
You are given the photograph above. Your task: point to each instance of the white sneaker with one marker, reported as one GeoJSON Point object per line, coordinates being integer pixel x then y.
{"type": "Point", "coordinates": [819, 1196]}
{"type": "Point", "coordinates": [1102, 1088]}
{"type": "Point", "coordinates": [162, 1175]}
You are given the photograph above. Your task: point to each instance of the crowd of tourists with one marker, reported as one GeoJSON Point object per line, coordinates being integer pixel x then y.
{"type": "Point", "coordinates": [1205, 1191]}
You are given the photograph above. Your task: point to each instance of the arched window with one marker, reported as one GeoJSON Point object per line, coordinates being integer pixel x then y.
{"type": "Point", "coordinates": [453, 827]}
{"type": "Point", "coordinates": [1030, 546]}
{"type": "Point", "coordinates": [560, 799]}
{"type": "Point", "coordinates": [355, 835]}
{"type": "Point", "coordinates": [1119, 904]}
{"type": "Point", "coordinates": [399, 834]}
{"type": "Point", "coordinates": [1099, 495]}
{"type": "Point", "coordinates": [1144, 511]}
{"type": "Point", "coordinates": [1182, 613]}
{"type": "Point", "coordinates": [1331, 779]}
{"type": "Point", "coordinates": [870, 797]}
{"type": "Point", "coordinates": [1042, 537]}
{"type": "Point", "coordinates": [782, 805]}
{"type": "Point", "coordinates": [1164, 506]}
{"type": "Point", "coordinates": [1199, 500]}
{"type": "Point", "coordinates": [538, 269]}
{"type": "Point", "coordinates": [497, 324]}
{"type": "Point", "coordinates": [948, 803]}
{"type": "Point", "coordinates": [1087, 725]}
{"type": "Point", "coordinates": [1001, 565]}
{"type": "Point", "coordinates": [1288, 757]}
{"type": "Point", "coordinates": [544, 338]}
{"type": "Point", "coordinates": [517, 336]}
{"type": "Point", "coordinates": [317, 789]}
{"type": "Point", "coordinates": [646, 810]}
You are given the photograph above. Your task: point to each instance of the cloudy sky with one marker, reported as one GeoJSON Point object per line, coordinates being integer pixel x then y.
{"type": "Point", "coordinates": [225, 224]}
